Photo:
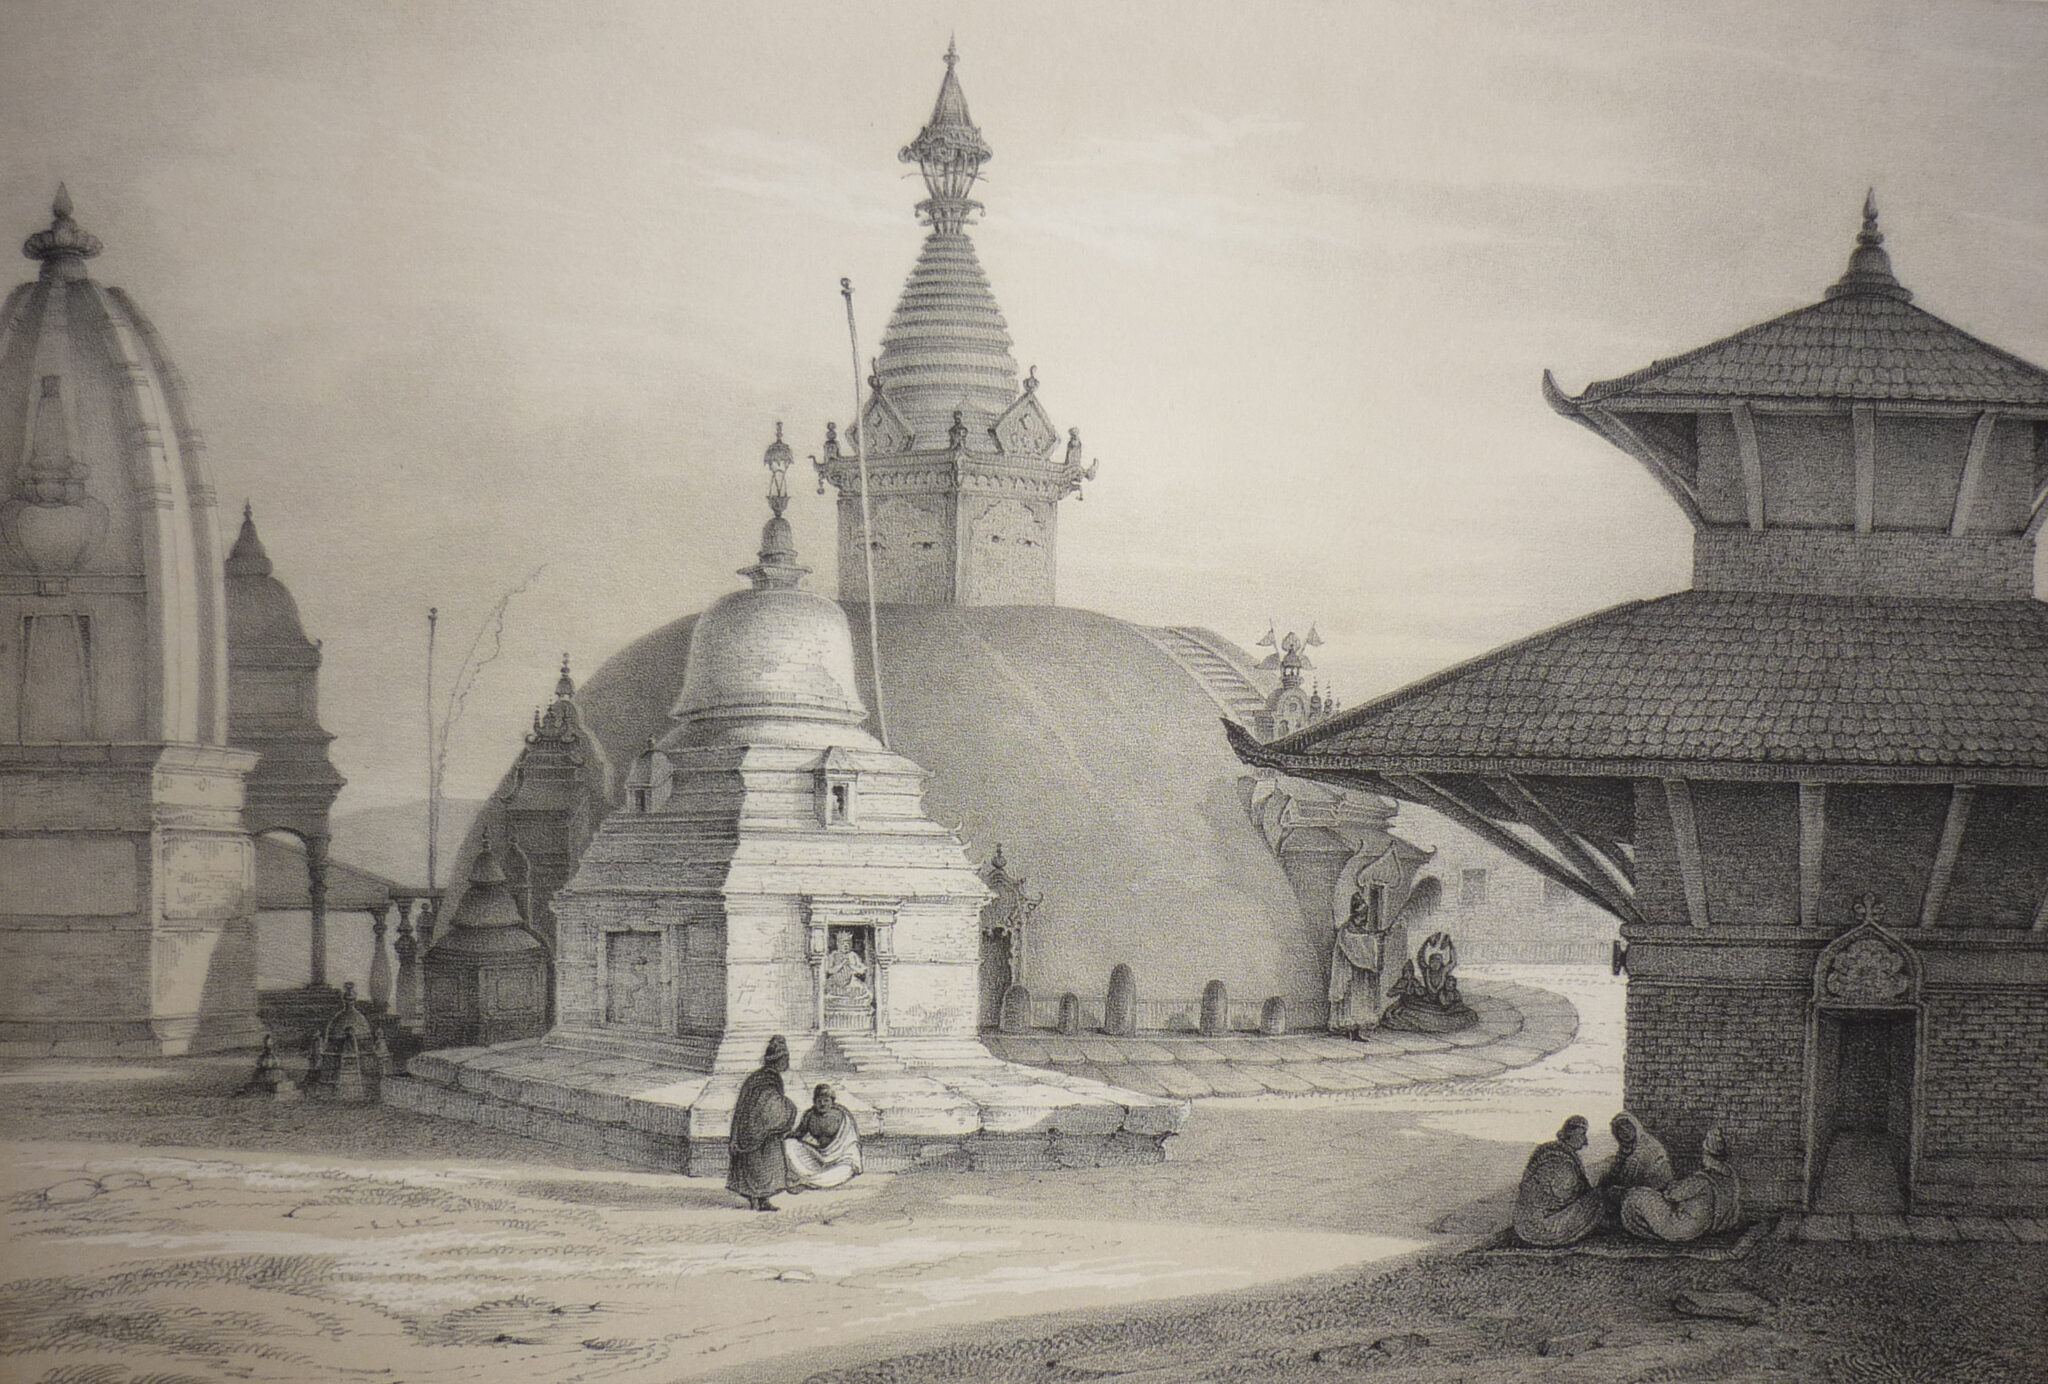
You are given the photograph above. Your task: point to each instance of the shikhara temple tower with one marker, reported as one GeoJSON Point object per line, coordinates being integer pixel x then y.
{"type": "Point", "coordinates": [126, 872]}
{"type": "Point", "coordinates": [1813, 789]}
{"type": "Point", "coordinates": [965, 468]}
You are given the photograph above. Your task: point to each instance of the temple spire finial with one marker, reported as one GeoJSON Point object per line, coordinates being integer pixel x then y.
{"type": "Point", "coordinates": [778, 567]}
{"type": "Point", "coordinates": [1869, 274]}
{"type": "Point", "coordinates": [65, 246]}
{"type": "Point", "coordinates": [949, 151]}
{"type": "Point", "coordinates": [565, 686]}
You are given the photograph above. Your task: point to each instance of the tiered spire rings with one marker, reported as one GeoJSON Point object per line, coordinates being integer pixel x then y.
{"type": "Point", "coordinates": [949, 151]}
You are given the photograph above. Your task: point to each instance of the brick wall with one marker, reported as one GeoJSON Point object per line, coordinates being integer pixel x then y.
{"type": "Point", "coordinates": [1985, 1078]}
{"type": "Point", "coordinates": [1702, 1056]}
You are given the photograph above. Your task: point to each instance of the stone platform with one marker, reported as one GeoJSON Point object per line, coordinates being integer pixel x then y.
{"type": "Point", "coordinates": [1518, 1025]}
{"type": "Point", "coordinates": [960, 1107]}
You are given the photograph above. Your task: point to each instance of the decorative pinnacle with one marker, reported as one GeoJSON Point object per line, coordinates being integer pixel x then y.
{"type": "Point", "coordinates": [1870, 268]}
{"type": "Point", "coordinates": [949, 151]}
{"type": "Point", "coordinates": [778, 459]}
{"type": "Point", "coordinates": [778, 568]}
{"type": "Point", "coordinates": [65, 240]}
{"type": "Point", "coordinates": [565, 687]}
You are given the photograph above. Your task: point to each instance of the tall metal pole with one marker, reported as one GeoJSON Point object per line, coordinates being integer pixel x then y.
{"type": "Point", "coordinates": [867, 545]}
{"type": "Point", "coordinates": [433, 769]}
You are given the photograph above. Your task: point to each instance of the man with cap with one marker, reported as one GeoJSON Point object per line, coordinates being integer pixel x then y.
{"type": "Point", "coordinates": [1555, 1205]}
{"type": "Point", "coordinates": [760, 1119]}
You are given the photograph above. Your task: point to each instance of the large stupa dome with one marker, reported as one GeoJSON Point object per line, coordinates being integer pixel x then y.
{"type": "Point", "coordinates": [1089, 751]}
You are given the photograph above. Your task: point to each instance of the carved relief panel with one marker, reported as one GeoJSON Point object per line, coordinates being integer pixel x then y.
{"type": "Point", "coordinates": [1009, 556]}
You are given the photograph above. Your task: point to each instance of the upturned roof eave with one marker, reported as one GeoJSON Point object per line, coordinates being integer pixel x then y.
{"type": "Point", "coordinates": [1376, 766]}
{"type": "Point", "coordinates": [1630, 391]}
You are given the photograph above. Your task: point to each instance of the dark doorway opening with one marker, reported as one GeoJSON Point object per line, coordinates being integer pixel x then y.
{"type": "Point", "coordinates": [996, 977]}
{"type": "Point", "coordinates": [1862, 1133]}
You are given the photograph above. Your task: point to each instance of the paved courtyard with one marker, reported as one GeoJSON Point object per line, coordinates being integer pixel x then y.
{"type": "Point", "coordinates": [162, 1230]}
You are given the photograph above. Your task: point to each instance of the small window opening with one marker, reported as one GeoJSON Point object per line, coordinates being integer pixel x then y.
{"type": "Point", "coordinates": [841, 796]}
{"type": "Point", "coordinates": [642, 799]}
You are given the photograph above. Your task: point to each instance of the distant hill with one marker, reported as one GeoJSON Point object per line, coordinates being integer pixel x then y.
{"type": "Point", "coordinates": [392, 841]}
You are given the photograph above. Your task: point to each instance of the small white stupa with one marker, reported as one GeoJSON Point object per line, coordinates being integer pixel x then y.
{"type": "Point", "coordinates": [773, 872]}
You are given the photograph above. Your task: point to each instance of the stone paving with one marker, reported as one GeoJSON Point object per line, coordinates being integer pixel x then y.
{"type": "Point", "coordinates": [1518, 1025]}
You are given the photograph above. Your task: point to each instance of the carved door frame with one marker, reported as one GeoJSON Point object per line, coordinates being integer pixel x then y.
{"type": "Point", "coordinates": [1867, 971]}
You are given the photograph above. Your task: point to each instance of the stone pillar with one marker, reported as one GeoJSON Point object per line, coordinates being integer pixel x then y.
{"type": "Point", "coordinates": [316, 892]}
{"type": "Point", "coordinates": [407, 948]}
{"type": "Point", "coordinates": [885, 953]}
{"type": "Point", "coordinates": [815, 947]}
{"type": "Point", "coordinates": [380, 960]}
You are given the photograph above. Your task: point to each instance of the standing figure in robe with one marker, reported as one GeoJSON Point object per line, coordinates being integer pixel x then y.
{"type": "Point", "coordinates": [760, 1118]}
{"type": "Point", "coordinates": [1358, 960]}
{"type": "Point", "coordinates": [824, 1148]}
{"type": "Point", "coordinates": [1706, 1203]}
{"type": "Point", "coordinates": [1555, 1205]}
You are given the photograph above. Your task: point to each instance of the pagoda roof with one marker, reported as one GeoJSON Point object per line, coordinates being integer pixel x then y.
{"type": "Point", "coordinates": [1864, 341]}
{"type": "Point", "coordinates": [1864, 348]}
{"type": "Point", "coordinates": [1728, 684]}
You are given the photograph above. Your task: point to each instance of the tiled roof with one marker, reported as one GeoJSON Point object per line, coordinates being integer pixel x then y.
{"type": "Point", "coordinates": [1731, 677]}
{"type": "Point", "coordinates": [1857, 346]}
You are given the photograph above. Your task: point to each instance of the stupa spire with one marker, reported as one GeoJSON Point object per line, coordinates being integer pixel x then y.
{"type": "Point", "coordinates": [1870, 268]}
{"type": "Point", "coordinates": [949, 151]}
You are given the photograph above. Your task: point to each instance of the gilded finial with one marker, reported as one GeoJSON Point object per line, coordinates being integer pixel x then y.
{"type": "Point", "coordinates": [65, 243]}
{"type": "Point", "coordinates": [1870, 268]}
{"type": "Point", "coordinates": [565, 687]}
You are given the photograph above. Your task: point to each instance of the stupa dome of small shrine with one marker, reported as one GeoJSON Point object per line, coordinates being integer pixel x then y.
{"type": "Point", "coordinates": [772, 664]}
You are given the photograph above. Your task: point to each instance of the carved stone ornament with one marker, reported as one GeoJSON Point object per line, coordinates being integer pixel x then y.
{"type": "Point", "coordinates": [1866, 966]}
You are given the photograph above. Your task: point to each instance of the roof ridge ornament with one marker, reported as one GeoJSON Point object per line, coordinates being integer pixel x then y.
{"type": "Point", "coordinates": [1869, 274]}
{"type": "Point", "coordinates": [65, 243]}
{"type": "Point", "coordinates": [949, 151]}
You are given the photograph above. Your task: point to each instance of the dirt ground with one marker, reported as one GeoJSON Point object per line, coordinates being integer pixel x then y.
{"type": "Point", "coordinates": [159, 1231]}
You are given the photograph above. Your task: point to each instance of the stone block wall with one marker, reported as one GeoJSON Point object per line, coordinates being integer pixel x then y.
{"type": "Point", "coordinates": [1700, 1056]}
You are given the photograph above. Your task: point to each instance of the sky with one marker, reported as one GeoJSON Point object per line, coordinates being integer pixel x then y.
{"type": "Point", "coordinates": [466, 293]}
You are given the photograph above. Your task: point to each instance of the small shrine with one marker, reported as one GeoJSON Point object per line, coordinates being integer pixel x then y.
{"type": "Point", "coordinates": [487, 975]}
{"type": "Point", "coordinates": [348, 1058]}
{"type": "Point", "coordinates": [772, 875]}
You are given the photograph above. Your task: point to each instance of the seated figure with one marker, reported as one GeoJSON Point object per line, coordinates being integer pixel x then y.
{"type": "Point", "coordinates": [1705, 1203]}
{"type": "Point", "coordinates": [846, 975]}
{"type": "Point", "coordinates": [1555, 1205]}
{"type": "Point", "coordinates": [1426, 998]}
{"type": "Point", "coordinates": [824, 1148]}
{"type": "Point", "coordinates": [1640, 1159]}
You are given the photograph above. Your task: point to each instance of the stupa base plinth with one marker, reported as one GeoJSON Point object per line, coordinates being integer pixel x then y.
{"type": "Point", "coordinates": [976, 1112]}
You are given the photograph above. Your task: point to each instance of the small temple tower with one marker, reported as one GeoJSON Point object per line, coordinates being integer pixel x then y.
{"type": "Point", "coordinates": [547, 813]}
{"type": "Point", "coordinates": [965, 468]}
{"type": "Point", "coordinates": [1813, 788]}
{"type": "Point", "coordinates": [774, 871]}
{"type": "Point", "coordinates": [126, 873]}
{"type": "Point", "coordinates": [274, 711]}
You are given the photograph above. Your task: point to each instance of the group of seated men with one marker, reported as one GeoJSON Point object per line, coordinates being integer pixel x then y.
{"type": "Point", "coordinates": [1557, 1204]}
